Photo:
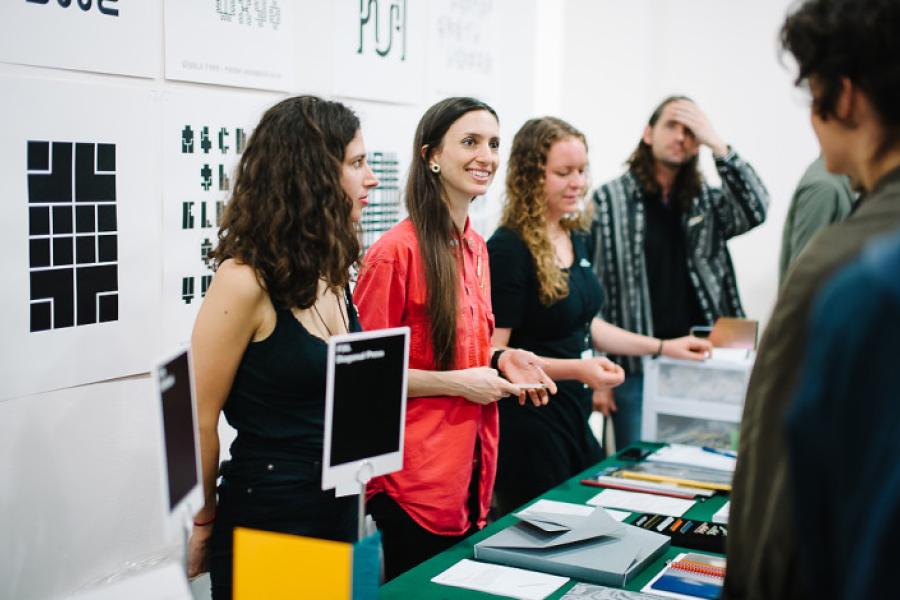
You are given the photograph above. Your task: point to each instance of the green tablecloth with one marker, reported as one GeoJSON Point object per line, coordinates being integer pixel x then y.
{"type": "Point", "coordinates": [416, 583]}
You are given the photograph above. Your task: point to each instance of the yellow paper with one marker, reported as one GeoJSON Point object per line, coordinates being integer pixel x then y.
{"type": "Point", "coordinates": [278, 565]}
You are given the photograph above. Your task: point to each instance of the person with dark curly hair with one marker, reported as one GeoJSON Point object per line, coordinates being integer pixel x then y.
{"type": "Point", "coordinates": [545, 299]}
{"type": "Point", "coordinates": [286, 245]}
{"type": "Point", "coordinates": [660, 237]}
{"type": "Point", "coordinates": [430, 272]}
{"type": "Point", "coordinates": [846, 52]}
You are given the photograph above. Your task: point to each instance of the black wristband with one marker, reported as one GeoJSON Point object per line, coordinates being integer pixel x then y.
{"type": "Point", "coordinates": [495, 359]}
{"type": "Point", "coordinates": [659, 350]}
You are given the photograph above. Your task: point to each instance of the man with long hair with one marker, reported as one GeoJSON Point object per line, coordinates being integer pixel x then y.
{"type": "Point", "coordinates": [846, 52]}
{"type": "Point", "coordinates": [660, 236]}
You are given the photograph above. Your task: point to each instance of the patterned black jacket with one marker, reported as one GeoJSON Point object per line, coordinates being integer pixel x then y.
{"type": "Point", "coordinates": [715, 216]}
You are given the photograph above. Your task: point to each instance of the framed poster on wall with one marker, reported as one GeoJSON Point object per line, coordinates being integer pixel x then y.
{"type": "Point", "coordinates": [79, 234]}
{"type": "Point", "coordinates": [231, 42]}
{"type": "Point", "coordinates": [85, 35]}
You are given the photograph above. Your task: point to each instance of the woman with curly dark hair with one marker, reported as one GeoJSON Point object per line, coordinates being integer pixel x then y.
{"type": "Point", "coordinates": [430, 273]}
{"type": "Point", "coordinates": [545, 300]}
{"type": "Point", "coordinates": [286, 246]}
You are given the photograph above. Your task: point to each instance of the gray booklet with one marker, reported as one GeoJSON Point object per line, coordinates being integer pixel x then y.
{"type": "Point", "coordinates": [594, 548]}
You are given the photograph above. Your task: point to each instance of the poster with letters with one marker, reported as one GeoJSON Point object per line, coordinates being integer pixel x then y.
{"type": "Point", "coordinates": [462, 49]}
{"type": "Point", "coordinates": [242, 43]}
{"type": "Point", "coordinates": [79, 234]}
{"type": "Point", "coordinates": [379, 50]}
{"type": "Point", "coordinates": [204, 135]}
{"type": "Point", "coordinates": [102, 36]}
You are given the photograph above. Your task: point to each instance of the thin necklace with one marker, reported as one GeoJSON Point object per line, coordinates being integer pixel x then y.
{"type": "Point", "coordinates": [340, 310]}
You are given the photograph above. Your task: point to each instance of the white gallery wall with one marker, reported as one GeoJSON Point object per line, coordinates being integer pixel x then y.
{"type": "Point", "coordinates": [156, 101]}
{"type": "Point", "coordinates": [620, 59]}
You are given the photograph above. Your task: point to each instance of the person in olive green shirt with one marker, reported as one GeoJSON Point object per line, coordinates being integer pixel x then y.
{"type": "Point", "coordinates": [846, 51]}
{"type": "Point", "coordinates": [821, 198]}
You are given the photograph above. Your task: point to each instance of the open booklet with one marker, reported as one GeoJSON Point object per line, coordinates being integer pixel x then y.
{"type": "Point", "coordinates": [591, 547]}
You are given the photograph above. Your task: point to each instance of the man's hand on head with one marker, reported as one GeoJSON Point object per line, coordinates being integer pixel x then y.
{"type": "Point", "coordinates": [690, 114]}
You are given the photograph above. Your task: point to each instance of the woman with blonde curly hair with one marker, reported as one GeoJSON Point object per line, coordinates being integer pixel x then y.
{"type": "Point", "coordinates": [546, 296]}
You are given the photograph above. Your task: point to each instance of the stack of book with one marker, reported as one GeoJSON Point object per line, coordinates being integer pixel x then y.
{"type": "Point", "coordinates": [676, 464]}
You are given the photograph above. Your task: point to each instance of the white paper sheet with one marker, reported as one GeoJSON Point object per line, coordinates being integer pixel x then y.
{"type": "Point", "coordinates": [568, 508]}
{"type": "Point", "coordinates": [643, 503]}
{"type": "Point", "coordinates": [159, 583]}
{"type": "Point", "coordinates": [235, 45]}
{"type": "Point", "coordinates": [721, 515]}
{"type": "Point", "coordinates": [70, 319]}
{"type": "Point", "coordinates": [503, 581]}
{"type": "Point", "coordinates": [693, 456]}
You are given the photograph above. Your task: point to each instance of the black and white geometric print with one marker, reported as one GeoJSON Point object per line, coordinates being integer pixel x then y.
{"type": "Point", "coordinates": [384, 209]}
{"type": "Point", "coordinates": [72, 234]}
{"type": "Point", "coordinates": [203, 205]}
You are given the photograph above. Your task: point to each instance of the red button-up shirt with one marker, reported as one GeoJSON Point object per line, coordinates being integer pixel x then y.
{"type": "Point", "coordinates": [441, 431]}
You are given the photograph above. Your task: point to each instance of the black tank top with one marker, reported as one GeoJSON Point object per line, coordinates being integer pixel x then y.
{"type": "Point", "coordinates": [277, 400]}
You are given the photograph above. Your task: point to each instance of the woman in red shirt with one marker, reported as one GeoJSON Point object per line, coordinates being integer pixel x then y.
{"type": "Point", "coordinates": [430, 273]}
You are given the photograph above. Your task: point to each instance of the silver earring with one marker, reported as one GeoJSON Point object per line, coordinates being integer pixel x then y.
{"type": "Point", "coordinates": [435, 168]}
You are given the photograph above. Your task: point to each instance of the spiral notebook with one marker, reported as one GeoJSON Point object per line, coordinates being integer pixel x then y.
{"type": "Point", "coordinates": [689, 576]}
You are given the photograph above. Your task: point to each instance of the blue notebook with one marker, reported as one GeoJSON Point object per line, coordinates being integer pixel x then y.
{"type": "Point", "coordinates": [688, 584]}
{"type": "Point", "coordinates": [690, 575]}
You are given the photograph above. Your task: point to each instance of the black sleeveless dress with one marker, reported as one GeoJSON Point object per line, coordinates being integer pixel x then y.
{"type": "Point", "coordinates": [540, 447]}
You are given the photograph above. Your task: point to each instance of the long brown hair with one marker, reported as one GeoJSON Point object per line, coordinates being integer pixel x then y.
{"type": "Point", "coordinates": [430, 214]}
{"type": "Point", "coordinates": [526, 203]}
{"type": "Point", "coordinates": [688, 182]}
{"type": "Point", "coordinates": [289, 217]}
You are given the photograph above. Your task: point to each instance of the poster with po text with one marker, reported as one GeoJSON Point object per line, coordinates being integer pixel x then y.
{"type": "Point", "coordinates": [379, 50]}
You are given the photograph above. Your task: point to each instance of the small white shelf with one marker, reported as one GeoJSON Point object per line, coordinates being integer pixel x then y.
{"type": "Point", "coordinates": [697, 403]}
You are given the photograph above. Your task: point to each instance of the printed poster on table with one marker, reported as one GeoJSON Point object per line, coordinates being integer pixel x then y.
{"type": "Point", "coordinates": [379, 49]}
{"type": "Point", "coordinates": [102, 36]}
{"type": "Point", "coordinates": [80, 269]}
{"type": "Point", "coordinates": [204, 135]}
{"type": "Point", "coordinates": [240, 43]}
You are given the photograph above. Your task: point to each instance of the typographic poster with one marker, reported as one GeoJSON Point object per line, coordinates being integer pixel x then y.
{"type": "Point", "coordinates": [81, 286]}
{"type": "Point", "coordinates": [85, 35]}
{"type": "Point", "coordinates": [462, 49]}
{"type": "Point", "coordinates": [243, 43]}
{"type": "Point", "coordinates": [388, 133]}
{"type": "Point", "coordinates": [379, 50]}
{"type": "Point", "coordinates": [204, 135]}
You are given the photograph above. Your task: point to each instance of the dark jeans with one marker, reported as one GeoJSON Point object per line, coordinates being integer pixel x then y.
{"type": "Point", "coordinates": [281, 496]}
{"type": "Point", "coordinates": [405, 542]}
